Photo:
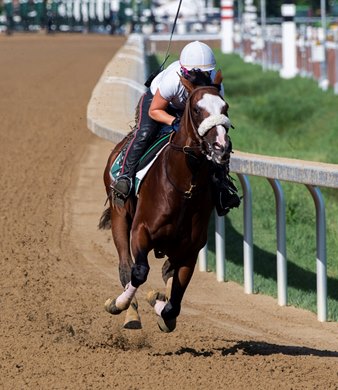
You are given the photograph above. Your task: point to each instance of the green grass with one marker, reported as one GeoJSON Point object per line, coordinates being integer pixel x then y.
{"type": "Point", "coordinates": [287, 118]}
{"type": "Point", "coordinates": [290, 118]}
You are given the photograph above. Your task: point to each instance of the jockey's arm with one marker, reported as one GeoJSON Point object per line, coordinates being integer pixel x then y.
{"type": "Point", "coordinates": [157, 109]}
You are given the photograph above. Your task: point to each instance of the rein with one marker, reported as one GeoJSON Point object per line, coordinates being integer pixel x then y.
{"type": "Point", "coordinates": [186, 149]}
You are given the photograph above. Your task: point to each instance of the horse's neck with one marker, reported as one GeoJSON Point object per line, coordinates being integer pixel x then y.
{"type": "Point", "coordinates": [184, 160]}
{"type": "Point", "coordinates": [184, 137]}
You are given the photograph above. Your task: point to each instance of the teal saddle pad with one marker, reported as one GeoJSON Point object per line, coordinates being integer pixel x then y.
{"type": "Point", "coordinates": [149, 155]}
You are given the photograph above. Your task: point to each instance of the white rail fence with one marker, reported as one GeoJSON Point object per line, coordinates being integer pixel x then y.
{"type": "Point", "coordinates": [313, 175]}
{"type": "Point", "coordinates": [268, 52]}
{"type": "Point", "coordinates": [111, 109]}
{"type": "Point", "coordinates": [314, 59]}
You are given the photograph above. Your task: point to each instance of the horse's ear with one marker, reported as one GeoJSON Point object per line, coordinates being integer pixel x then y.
{"type": "Point", "coordinates": [218, 77]}
{"type": "Point", "coordinates": [187, 84]}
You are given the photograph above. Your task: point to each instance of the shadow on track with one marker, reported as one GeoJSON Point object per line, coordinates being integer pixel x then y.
{"type": "Point", "coordinates": [252, 348]}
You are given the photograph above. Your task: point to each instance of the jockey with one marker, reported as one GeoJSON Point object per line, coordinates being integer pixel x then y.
{"type": "Point", "coordinates": [163, 103]}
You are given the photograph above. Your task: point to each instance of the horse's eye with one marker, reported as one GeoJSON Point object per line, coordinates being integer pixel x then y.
{"type": "Point", "coordinates": [225, 112]}
{"type": "Point", "coordinates": [197, 110]}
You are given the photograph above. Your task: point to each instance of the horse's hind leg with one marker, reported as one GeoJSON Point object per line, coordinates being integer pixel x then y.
{"type": "Point", "coordinates": [167, 276]}
{"type": "Point", "coordinates": [168, 310]}
{"type": "Point", "coordinates": [158, 300]}
{"type": "Point", "coordinates": [127, 300]}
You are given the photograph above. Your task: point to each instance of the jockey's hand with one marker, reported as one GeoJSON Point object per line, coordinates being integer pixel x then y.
{"type": "Point", "coordinates": [175, 124]}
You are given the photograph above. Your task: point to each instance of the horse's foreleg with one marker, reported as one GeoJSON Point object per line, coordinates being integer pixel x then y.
{"type": "Point", "coordinates": [126, 301]}
{"type": "Point", "coordinates": [140, 246]}
{"type": "Point", "coordinates": [122, 302]}
{"type": "Point", "coordinates": [136, 274]}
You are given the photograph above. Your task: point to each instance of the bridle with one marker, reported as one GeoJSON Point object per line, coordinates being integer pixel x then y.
{"type": "Point", "coordinates": [200, 146]}
{"type": "Point", "coordinates": [196, 151]}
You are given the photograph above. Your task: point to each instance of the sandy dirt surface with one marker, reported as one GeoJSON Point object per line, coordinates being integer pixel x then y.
{"type": "Point", "coordinates": [57, 269]}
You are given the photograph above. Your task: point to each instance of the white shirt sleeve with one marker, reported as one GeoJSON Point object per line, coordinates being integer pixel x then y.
{"type": "Point", "coordinates": [166, 81]}
{"type": "Point", "coordinates": [170, 87]}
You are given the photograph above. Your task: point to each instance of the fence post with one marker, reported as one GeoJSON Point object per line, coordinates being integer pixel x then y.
{"type": "Point", "coordinates": [281, 242]}
{"type": "Point", "coordinates": [336, 69]}
{"type": "Point", "coordinates": [321, 253]}
{"type": "Point", "coordinates": [203, 259]}
{"type": "Point", "coordinates": [220, 248]}
{"type": "Point", "coordinates": [263, 26]}
{"type": "Point", "coordinates": [227, 26]}
{"type": "Point", "coordinates": [289, 68]}
{"type": "Point", "coordinates": [323, 82]}
{"type": "Point", "coordinates": [250, 26]}
{"type": "Point", "coordinates": [247, 233]}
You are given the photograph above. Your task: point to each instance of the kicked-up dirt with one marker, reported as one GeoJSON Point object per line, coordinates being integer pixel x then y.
{"type": "Point", "coordinates": [57, 269]}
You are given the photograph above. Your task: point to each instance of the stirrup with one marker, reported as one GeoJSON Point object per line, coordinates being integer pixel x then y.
{"type": "Point", "coordinates": [119, 197]}
{"type": "Point", "coordinates": [223, 206]}
{"type": "Point", "coordinates": [227, 198]}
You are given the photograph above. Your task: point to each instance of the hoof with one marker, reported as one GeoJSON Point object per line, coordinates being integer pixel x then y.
{"type": "Point", "coordinates": [154, 296]}
{"type": "Point", "coordinates": [132, 320]}
{"type": "Point", "coordinates": [166, 326]}
{"type": "Point", "coordinates": [132, 325]}
{"type": "Point", "coordinates": [111, 308]}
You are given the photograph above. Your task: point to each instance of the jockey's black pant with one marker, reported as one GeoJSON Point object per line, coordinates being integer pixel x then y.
{"type": "Point", "coordinates": [144, 135]}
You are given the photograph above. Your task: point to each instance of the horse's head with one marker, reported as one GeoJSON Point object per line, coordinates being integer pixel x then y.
{"type": "Point", "coordinates": [206, 118]}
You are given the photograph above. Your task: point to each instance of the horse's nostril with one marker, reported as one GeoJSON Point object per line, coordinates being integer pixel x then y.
{"type": "Point", "coordinates": [218, 148]}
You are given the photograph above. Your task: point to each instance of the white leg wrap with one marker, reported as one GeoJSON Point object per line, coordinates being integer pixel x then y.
{"type": "Point", "coordinates": [123, 300]}
{"type": "Point", "coordinates": [159, 306]}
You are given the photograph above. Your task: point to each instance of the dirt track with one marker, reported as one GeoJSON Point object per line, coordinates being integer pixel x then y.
{"type": "Point", "coordinates": [57, 270]}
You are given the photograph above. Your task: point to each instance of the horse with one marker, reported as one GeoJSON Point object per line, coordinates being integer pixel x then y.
{"type": "Point", "coordinates": [173, 207]}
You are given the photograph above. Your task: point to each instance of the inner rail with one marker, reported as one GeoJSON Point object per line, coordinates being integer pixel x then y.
{"type": "Point", "coordinates": [275, 169]}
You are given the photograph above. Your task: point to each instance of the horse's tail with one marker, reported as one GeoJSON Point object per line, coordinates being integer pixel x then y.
{"type": "Point", "coordinates": [105, 221]}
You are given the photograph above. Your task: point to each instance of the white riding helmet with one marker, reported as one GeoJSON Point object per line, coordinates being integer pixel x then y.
{"type": "Point", "coordinates": [197, 55]}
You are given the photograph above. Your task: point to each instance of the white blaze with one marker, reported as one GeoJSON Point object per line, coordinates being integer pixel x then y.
{"type": "Point", "coordinates": [213, 105]}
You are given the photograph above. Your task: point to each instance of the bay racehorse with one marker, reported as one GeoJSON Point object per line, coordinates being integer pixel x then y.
{"type": "Point", "coordinates": [173, 207]}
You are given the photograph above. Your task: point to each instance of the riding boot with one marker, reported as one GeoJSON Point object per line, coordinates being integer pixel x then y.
{"type": "Point", "coordinates": [224, 191]}
{"type": "Point", "coordinates": [135, 151]}
{"type": "Point", "coordinates": [143, 136]}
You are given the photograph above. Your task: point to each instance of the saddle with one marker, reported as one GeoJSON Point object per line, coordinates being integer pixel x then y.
{"type": "Point", "coordinates": [146, 161]}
